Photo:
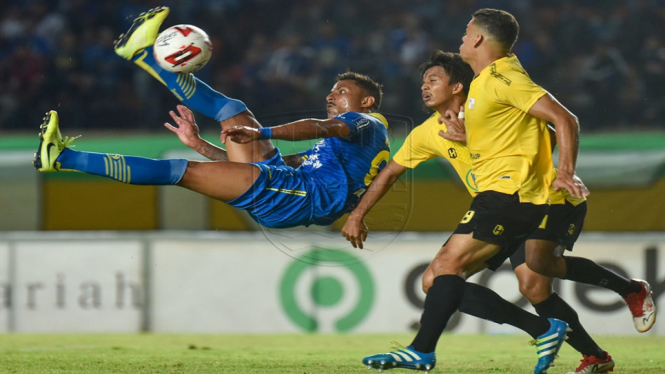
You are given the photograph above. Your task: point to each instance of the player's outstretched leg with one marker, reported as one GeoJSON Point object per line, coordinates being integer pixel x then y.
{"type": "Point", "coordinates": [401, 357]}
{"type": "Point", "coordinates": [548, 344]}
{"type": "Point", "coordinates": [136, 45]}
{"type": "Point", "coordinates": [209, 178]}
{"type": "Point", "coordinates": [55, 154]}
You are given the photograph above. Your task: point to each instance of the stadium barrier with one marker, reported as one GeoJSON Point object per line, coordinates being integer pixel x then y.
{"type": "Point", "coordinates": [270, 282]}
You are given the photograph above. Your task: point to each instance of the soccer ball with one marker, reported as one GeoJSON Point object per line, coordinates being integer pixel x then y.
{"type": "Point", "coordinates": [182, 49]}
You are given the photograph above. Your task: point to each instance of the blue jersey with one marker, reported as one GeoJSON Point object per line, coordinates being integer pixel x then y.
{"type": "Point", "coordinates": [332, 177]}
{"type": "Point", "coordinates": [346, 166]}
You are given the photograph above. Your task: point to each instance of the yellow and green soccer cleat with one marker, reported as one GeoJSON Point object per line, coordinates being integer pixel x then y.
{"type": "Point", "coordinates": [51, 144]}
{"type": "Point", "coordinates": [142, 33]}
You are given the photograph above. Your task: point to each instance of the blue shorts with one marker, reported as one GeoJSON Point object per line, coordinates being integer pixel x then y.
{"type": "Point", "coordinates": [279, 198]}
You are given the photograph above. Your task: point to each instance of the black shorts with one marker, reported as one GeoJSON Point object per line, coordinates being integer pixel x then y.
{"type": "Point", "coordinates": [563, 226]}
{"type": "Point", "coordinates": [501, 219]}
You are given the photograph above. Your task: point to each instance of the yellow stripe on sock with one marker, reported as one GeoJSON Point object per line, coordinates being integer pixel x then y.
{"type": "Point", "coordinates": [121, 162]}
{"type": "Point", "coordinates": [189, 87]}
{"type": "Point", "coordinates": [193, 86]}
{"type": "Point", "coordinates": [148, 68]}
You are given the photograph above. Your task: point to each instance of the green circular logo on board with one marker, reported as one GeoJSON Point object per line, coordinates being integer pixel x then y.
{"type": "Point", "coordinates": [326, 291]}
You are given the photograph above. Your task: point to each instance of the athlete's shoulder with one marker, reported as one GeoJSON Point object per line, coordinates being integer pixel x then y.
{"type": "Point", "coordinates": [361, 120]}
{"type": "Point", "coordinates": [506, 71]}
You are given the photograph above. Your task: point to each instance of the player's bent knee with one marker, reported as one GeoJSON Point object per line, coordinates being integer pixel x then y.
{"type": "Point", "coordinates": [446, 263]}
{"type": "Point", "coordinates": [535, 292]}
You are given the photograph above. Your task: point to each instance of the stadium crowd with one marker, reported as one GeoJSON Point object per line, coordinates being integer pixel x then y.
{"type": "Point", "coordinates": [604, 60]}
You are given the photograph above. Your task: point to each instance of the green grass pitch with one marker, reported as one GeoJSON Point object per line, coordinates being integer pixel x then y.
{"type": "Point", "coordinates": [301, 354]}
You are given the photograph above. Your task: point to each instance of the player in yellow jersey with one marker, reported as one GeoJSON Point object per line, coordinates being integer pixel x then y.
{"type": "Point", "coordinates": [444, 79]}
{"type": "Point", "coordinates": [510, 148]}
{"type": "Point", "coordinates": [510, 151]}
{"type": "Point", "coordinates": [506, 114]}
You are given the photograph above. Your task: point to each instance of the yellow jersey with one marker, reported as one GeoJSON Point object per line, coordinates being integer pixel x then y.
{"type": "Point", "coordinates": [424, 143]}
{"type": "Point", "coordinates": [510, 149]}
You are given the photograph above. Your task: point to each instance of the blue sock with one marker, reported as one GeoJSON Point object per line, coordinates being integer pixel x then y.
{"type": "Point", "coordinates": [126, 169]}
{"type": "Point", "coordinates": [191, 91]}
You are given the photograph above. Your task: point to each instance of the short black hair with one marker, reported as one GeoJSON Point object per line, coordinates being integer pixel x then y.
{"type": "Point", "coordinates": [368, 85]}
{"type": "Point", "coordinates": [500, 24]}
{"type": "Point", "coordinates": [458, 71]}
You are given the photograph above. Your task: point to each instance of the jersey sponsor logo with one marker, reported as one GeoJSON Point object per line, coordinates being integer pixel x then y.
{"type": "Point", "coordinates": [313, 161]}
{"type": "Point", "coordinates": [452, 152]}
{"type": "Point", "coordinates": [472, 103]}
{"type": "Point", "coordinates": [498, 230]}
{"type": "Point", "coordinates": [475, 156]}
{"type": "Point", "coordinates": [504, 177]}
{"type": "Point", "coordinates": [499, 76]}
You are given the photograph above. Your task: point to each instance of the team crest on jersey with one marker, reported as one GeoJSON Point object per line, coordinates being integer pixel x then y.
{"type": "Point", "coordinates": [471, 181]}
{"type": "Point", "coordinates": [571, 229]}
{"type": "Point", "coordinates": [472, 103]}
{"type": "Point", "coordinates": [363, 122]}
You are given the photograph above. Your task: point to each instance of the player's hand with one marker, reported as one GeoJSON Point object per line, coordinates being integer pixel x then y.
{"type": "Point", "coordinates": [355, 231]}
{"type": "Point", "coordinates": [187, 129]}
{"type": "Point", "coordinates": [455, 124]}
{"type": "Point", "coordinates": [241, 134]}
{"type": "Point", "coordinates": [571, 183]}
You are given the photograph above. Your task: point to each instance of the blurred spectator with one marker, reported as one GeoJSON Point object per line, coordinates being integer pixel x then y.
{"type": "Point", "coordinates": [604, 60]}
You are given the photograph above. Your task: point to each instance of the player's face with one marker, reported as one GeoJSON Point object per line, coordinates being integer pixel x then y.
{"type": "Point", "coordinates": [468, 40]}
{"type": "Point", "coordinates": [345, 96]}
{"type": "Point", "coordinates": [436, 88]}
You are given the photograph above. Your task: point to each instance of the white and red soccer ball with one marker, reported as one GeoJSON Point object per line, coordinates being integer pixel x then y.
{"type": "Point", "coordinates": [182, 49]}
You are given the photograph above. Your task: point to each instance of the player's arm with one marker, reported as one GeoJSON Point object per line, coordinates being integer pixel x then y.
{"type": "Point", "coordinates": [355, 230]}
{"type": "Point", "coordinates": [456, 127]}
{"type": "Point", "coordinates": [188, 133]}
{"type": "Point", "coordinates": [567, 138]}
{"type": "Point", "coordinates": [300, 130]}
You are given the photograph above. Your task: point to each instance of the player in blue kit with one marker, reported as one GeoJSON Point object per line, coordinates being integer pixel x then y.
{"type": "Point", "coordinates": [314, 187]}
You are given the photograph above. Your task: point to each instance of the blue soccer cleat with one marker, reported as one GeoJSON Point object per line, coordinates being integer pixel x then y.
{"type": "Point", "coordinates": [549, 343]}
{"type": "Point", "coordinates": [404, 358]}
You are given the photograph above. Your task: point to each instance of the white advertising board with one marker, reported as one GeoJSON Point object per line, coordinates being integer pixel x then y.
{"type": "Point", "coordinates": [209, 283]}
{"type": "Point", "coordinates": [82, 286]}
{"type": "Point", "coordinates": [5, 287]}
